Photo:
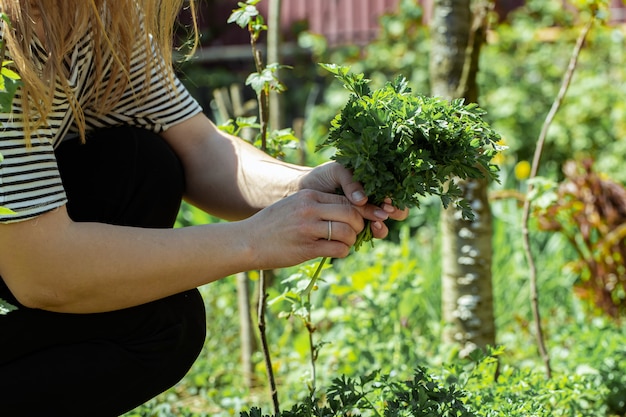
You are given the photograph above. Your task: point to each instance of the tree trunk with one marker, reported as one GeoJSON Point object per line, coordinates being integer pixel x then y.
{"type": "Point", "coordinates": [246, 332]}
{"type": "Point", "coordinates": [467, 297]}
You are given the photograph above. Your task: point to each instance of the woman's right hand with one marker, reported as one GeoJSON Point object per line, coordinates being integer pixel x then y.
{"type": "Point", "coordinates": [296, 229]}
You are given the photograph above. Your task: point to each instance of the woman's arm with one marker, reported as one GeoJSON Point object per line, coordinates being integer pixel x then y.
{"type": "Point", "coordinates": [53, 263]}
{"type": "Point", "coordinates": [232, 179]}
{"type": "Point", "coordinates": [56, 264]}
{"type": "Point", "coordinates": [225, 175]}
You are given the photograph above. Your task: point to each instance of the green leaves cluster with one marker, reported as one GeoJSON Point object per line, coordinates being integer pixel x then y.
{"type": "Point", "coordinates": [6, 307]}
{"type": "Point", "coordinates": [266, 79]}
{"type": "Point", "coordinates": [277, 141]}
{"type": "Point", "coordinates": [9, 83]}
{"type": "Point", "coordinates": [478, 387]}
{"type": "Point", "coordinates": [381, 395]}
{"type": "Point", "coordinates": [405, 146]}
{"type": "Point", "coordinates": [247, 16]}
{"type": "Point", "coordinates": [9, 79]}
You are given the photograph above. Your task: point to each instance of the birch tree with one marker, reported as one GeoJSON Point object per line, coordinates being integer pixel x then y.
{"type": "Point", "coordinates": [457, 33]}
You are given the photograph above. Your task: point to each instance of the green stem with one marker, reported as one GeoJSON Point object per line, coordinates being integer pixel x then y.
{"type": "Point", "coordinates": [316, 275]}
{"type": "Point", "coordinates": [364, 236]}
{"type": "Point", "coordinates": [372, 407]}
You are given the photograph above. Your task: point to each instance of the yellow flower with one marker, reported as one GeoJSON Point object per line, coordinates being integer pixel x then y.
{"type": "Point", "coordinates": [522, 170]}
{"type": "Point", "coordinates": [498, 158]}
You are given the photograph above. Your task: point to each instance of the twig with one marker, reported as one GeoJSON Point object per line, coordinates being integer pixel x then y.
{"type": "Point", "coordinates": [244, 16]}
{"type": "Point", "coordinates": [312, 349]}
{"type": "Point", "coordinates": [310, 327]}
{"type": "Point", "coordinates": [262, 96]}
{"type": "Point", "coordinates": [534, 294]}
{"type": "Point", "coordinates": [263, 99]}
{"type": "Point", "coordinates": [264, 344]}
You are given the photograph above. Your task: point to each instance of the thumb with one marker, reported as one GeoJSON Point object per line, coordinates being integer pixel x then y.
{"type": "Point", "coordinates": [352, 189]}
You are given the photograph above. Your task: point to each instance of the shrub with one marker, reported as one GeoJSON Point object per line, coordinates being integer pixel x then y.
{"type": "Point", "coordinates": [590, 210]}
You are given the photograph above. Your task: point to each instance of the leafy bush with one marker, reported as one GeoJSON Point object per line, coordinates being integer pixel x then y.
{"type": "Point", "coordinates": [380, 395]}
{"type": "Point", "coordinates": [520, 72]}
{"type": "Point", "coordinates": [590, 211]}
{"type": "Point", "coordinates": [477, 388]}
{"type": "Point", "coordinates": [595, 348]}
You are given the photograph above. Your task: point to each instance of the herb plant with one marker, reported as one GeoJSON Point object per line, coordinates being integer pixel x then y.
{"type": "Point", "coordinates": [404, 146]}
{"type": "Point", "coordinates": [380, 395]}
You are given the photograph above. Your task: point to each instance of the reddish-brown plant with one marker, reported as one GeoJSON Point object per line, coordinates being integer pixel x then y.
{"type": "Point", "coordinates": [590, 211]}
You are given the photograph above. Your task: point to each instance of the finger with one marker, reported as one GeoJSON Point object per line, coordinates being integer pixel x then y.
{"type": "Point", "coordinates": [328, 198]}
{"type": "Point", "coordinates": [394, 212]}
{"type": "Point", "coordinates": [353, 190]}
{"type": "Point", "coordinates": [372, 213]}
{"type": "Point", "coordinates": [384, 212]}
{"type": "Point", "coordinates": [322, 207]}
{"type": "Point", "coordinates": [379, 229]}
{"type": "Point", "coordinates": [345, 223]}
{"type": "Point", "coordinates": [339, 232]}
{"type": "Point", "coordinates": [333, 248]}
{"type": "Point", "coordinates": [338, 208]}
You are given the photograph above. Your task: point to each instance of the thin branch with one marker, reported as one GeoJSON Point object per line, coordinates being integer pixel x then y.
{"type": "Point", "coordinates": [264, 345]}
{"type": "Point", "coordinates": [263, 95]}
{"type": "Point", "coordinates": [312, 349]}
{"type": "Point", "coordinates": [534, 294]}
{"type": "Point", "coordinates": [263, 99]}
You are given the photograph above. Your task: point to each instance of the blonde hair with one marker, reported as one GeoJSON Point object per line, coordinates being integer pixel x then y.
{"type": "Point", "coordinates": [115, 27]}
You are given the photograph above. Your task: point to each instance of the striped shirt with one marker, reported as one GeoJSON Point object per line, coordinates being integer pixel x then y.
{"type": "Point", "coordinates": [30, 183]}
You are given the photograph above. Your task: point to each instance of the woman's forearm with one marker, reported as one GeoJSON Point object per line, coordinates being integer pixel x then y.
{"type": "Point", "coordinates": [226, 176]}
{"type": "Point", "coordinates": [59, 265]}
{"type": "Point", "coordinates": [56, 264]}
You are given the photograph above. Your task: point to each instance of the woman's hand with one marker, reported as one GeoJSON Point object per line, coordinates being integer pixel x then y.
{"type": "Point", "coordinates": [332, 176]}
{"type": "Point", "coordinates": [296, 229]}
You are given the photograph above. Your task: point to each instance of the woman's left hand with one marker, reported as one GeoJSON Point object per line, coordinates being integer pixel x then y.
{"type": "Point", "coordinates": [331, 176]}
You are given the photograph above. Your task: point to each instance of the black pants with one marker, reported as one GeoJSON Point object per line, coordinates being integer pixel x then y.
{"type": "Point", "coordinates": [104, 364]}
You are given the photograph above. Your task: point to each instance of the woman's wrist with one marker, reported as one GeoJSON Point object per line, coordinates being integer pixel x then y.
{"type": "Point", "coordinates": [302, 180]}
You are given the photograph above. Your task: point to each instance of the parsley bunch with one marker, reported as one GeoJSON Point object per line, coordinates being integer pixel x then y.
{"type": "Point", "coordinates": [405, 146]}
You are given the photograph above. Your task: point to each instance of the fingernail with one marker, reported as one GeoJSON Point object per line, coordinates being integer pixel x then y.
{"type": "Point", "coordinates": [377, 225]}
{"type": "Point", "coordinates": [388, 208]}
{"type": "Point", "coordinates": [358, 196]}
{"type": "Point", "coordinates": [382, 215]}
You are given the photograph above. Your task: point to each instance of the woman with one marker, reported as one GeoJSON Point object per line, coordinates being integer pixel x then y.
{"type": "Point", "coordinates": [102, 144]}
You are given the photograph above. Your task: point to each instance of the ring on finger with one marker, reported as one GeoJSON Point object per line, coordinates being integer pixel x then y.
{"type": "Point", "coordinates": [329, 236]}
